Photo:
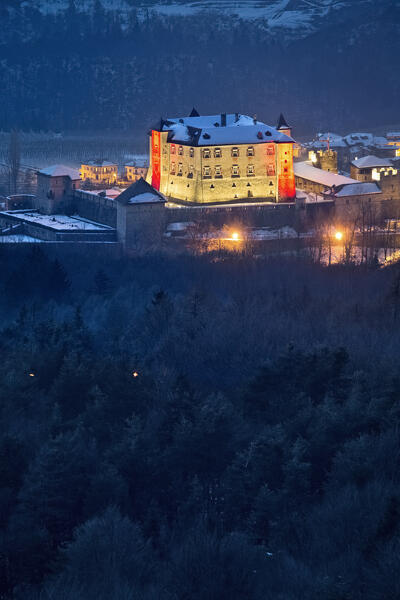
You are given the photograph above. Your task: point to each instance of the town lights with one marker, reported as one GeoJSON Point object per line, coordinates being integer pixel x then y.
{"type": "Point", "coordinates": [135, 374]}
{"type": "Point", "coordinates": [339, 236]}
{"type": "Point", "coordinates": [31, 374]}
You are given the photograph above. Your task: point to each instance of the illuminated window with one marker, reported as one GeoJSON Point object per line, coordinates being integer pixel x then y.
{"type": "Point", "coordinates": [180, 150]}
{"type": "Point", "coordinates": [218, 171]}
{"type": "Point", "coordinates": [250, 171]}
{"type": "Point", "coordinates": [250, 151]}
{"type": "Point", "coordinates": [206, 153]}
{"type": "Point", "coordinates": [270, 150]}
{"type": "Point", "coordinates": [207, 172]}
{"type": "Point", "coordinates": [217, 152]}
{"type": "Point", "coordinates": [180, 169]}
{"type": "Point", "coordinates": [173, 168]}
{"type": "Point", "coordinates": [172, 148]}
{"type": "Point", "coordinates": [235, 152]}
{"type": "Point", "coordinates": [191, 152]}
{"type": "Point", "coordinates": [271, 170]}
{"type": "Point", "coordinates": [235, 171]}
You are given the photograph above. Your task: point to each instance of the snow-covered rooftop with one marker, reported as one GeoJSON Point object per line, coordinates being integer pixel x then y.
{"type": "Point", "coordinates": [60, 171]}
{"type": "Point", "coordinates": [358, 189]}
{"type": "Point", "coordinates": [352, 140]}
{"type": "Point", "coordinates": [209, 130]}
{"type": "Point", "coordinates": [146, 198]}
{"type": "Point", "coordinates": [369, 162]}
{"type": "Point", "coordinates": [335, 140]}
{"type": "Point", "coordinates": [100, 163]}
{"type": "Point", "coordinates": [141, 163]}
{"type": "Point", "coordinates": [140, 192]}
{"type": "Point", "coordinates": [307, 171]}
{"type": "Point", "coordinates": [58, 222]}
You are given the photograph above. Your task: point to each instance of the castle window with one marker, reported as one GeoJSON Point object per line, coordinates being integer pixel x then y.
{"type": "Point", "coordinates": [217, 153]}
{"type": "Point", "coordinates": [172, 148]}
{"type": "Point", "coordinates": [173, 168]}
{"type": "Point", "coordinates": [191, 152]}
{"type": "Point", "coordinates": [271, 150]}
{"type": "Point", "coordinates": [218, 171]}
{"type": "Point", "coordinates": [271, 170]}
{"type": "Point", "coordinates": [250, 151]}
{"type": "Point", "coordinates": [250, 171]}
{"type": "Point", "coordinates": [207, 172]}
{"type": "Point", "coordinates": [180, 150]}
{"type": "Point", "coordinates": [180, 169]}
{"type": "Point", "coordinates": [190, 172]}
{"type": "Point", "coordinates": [235, 171]}
{"type": "Point", "coordinates": [235, 152]}
{"type": "Point", "coordinates": [206, 153]}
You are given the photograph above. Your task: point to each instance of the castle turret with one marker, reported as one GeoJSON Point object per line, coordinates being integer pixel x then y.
{"type": "Point", "coordinates": [283, 127]}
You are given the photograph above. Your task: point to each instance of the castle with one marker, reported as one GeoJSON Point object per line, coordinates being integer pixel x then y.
{"type": "Point", "coordinates": [221, 159]}
{"type": "Point", "coordinates": [219, 170]}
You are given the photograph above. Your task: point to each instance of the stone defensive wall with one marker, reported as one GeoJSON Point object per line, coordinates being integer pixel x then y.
{"type": "Point", "coordinates": [97, 208]}
{"type": "Point", "coordinates": [250, 215]}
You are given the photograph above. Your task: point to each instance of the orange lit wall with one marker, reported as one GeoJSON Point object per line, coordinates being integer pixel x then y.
{"type": "Point", "coordinates": [156, 159]}
{"type": "Point", "coordinates": [286, 183]}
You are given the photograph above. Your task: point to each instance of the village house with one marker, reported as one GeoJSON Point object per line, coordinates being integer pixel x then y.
{"type": "Point", "coordinates": [393, 139]}
{"type": "Point", "coordinates": [99, 172]}
{"type": "Point", "coordinates": [55, 187]}
{"type": "Point", "coordinates": [346, 194]}
{"type": "Point", "coordinates": [135, 170]}
{"type": "Point", "coordinates": [371, 168]}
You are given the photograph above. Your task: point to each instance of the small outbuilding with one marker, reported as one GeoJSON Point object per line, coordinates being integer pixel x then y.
{"type": "Point", "coordinates": [141, 217]}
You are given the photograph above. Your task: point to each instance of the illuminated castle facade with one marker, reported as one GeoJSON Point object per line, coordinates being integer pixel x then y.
{"type": "Point", "coordinates": [222, 158]}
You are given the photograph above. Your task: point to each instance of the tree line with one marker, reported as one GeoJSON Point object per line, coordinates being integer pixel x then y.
{"type": "Point", "coordinates": [186, 427]}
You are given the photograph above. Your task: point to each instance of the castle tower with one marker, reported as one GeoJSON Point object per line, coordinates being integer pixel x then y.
{"type": "Point", "coordinates": [286, 180]}
{"type": "Point", "coordinates": [327, 160]}
{"type": "Point", "coordinates": [283, 127]}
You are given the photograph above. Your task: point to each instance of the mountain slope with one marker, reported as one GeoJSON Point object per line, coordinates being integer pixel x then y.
{"type": "Point", "coordinates": [87, 67]}
{"type": "Point", "coordinates": [291, 18]}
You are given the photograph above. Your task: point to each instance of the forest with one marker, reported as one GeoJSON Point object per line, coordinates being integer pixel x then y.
{"type": "Point", "coordinates": [100, 71]}
{"type": "Point", "coordinates": [198, 427]}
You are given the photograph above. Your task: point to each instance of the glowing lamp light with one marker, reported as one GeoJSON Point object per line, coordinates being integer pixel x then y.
{"type": "Point", "coordinates": [235, 236]}
{"type": "Point", "coordinates": [135, 374]}
{"type": "Point", "coordinates": [31, 374]}
{"type": "Point", "coordinates": [339, 235]}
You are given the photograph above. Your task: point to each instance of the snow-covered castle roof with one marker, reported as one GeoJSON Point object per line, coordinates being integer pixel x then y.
{"type": "Point", "coordinates": [219, 130]}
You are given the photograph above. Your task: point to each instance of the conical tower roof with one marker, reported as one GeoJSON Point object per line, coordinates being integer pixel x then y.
{"type": "Point", "coordinates": [282, 124]}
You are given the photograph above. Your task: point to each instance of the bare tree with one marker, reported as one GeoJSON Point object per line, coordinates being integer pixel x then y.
{"type": "Point", "coordinates": [13, 161]}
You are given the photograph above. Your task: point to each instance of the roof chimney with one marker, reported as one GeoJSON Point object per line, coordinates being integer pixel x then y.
{"type": "Point", "coordinates": [236, 117]}
{"type": "Point", "coordinates": [223, 120]}
{"type": "Point", "coordinates": [255, 119]}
